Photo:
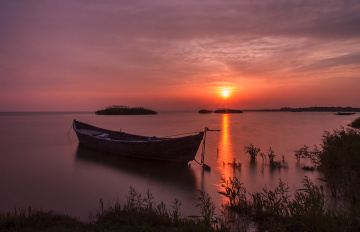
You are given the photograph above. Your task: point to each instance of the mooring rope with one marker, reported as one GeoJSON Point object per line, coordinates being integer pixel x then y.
{"type": "Point", "coordinates": [70, 129]}
{"type": "Point", "coordinates": [202, 148]}
{"type": "Point", "coordinates": [197, 161]}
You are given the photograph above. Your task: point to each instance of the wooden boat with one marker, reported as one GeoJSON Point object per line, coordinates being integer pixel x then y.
{"type": "Point", "coordinates": [179, 149]}
{"type": "Point", "coordinates": [345, 113]}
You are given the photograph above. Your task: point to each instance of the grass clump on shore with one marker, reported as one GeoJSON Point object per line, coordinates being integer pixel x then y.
{"type": "Point", "coordinates": [124, 110]}
{"type": "Point", "coordinates": [339, 162]}
{"type": "Point", "coordinates": [143, 214]}
{"type": "Point", "coordinates": [356, 123]}
{"type": "Point", "coordinates": [139, 213]}
{"type": "Point", "coordinates": [39, 220]}
{"type": "Point", "coordinates": [276, 210]}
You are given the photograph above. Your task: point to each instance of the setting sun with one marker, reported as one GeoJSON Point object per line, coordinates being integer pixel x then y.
{"type": "Point", "coordinates": [225, 93]}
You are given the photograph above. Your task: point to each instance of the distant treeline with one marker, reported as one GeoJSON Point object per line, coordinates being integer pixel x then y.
{"type": "Point", "coordinates": [124, 110]}
{"type": "Point", "coordinates": [315, 109]}
{"type": "Point", "coordinates": [321, 108]}
{"type": "Point", "coordinates": [227, 111]}
{"type": "Point", "coordinates": [222, 110]}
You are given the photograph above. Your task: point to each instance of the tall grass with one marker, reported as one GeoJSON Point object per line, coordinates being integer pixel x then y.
{"type": "Point", "coordinates": [356, 123]}
{"type": "Point", "coordinates": [139, 213]}
{"type": "Point", "coordinates": [276, 210]}
{"type": "Point", "coordinates": [38, 220]}
{"type": "Point", "coordinates": [272, 210]}
{"type": "Point", "coordinates": [339, 162]}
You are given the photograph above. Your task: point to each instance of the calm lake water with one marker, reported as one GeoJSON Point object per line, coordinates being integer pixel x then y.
{"type": "Point", "coordinates": [42, 166]}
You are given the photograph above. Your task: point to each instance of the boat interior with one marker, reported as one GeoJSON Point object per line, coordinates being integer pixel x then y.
{"type": "Point", "coordinates": [114, 135]}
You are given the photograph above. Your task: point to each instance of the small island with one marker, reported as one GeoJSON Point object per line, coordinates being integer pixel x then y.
{"type": "Point", "coordinates": [124, 110]}
{"type": "Point", "coordinates": [205, 111]}
{"type": "Point", "coordinates": [228, 111]}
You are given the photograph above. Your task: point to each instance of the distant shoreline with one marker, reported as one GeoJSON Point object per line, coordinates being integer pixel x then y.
{"type": "Point", "coordinates": [289, 109]}
{"type": "Point", "coordinates": [284, 109]}
{"type": "Point", "coordinates": [312, 109]}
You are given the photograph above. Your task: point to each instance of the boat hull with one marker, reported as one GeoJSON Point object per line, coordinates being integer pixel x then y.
{"type": "Point", "coordinates": [345, 113]}
{"type": "Point", "coordinates": [182, 149]}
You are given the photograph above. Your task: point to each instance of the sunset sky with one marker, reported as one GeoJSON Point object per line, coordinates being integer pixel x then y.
{"type": "Point", "coordinates": [178, 55]}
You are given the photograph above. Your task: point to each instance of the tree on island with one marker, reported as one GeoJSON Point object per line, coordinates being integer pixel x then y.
{"type": "Point", "coordinates": [124, 110]}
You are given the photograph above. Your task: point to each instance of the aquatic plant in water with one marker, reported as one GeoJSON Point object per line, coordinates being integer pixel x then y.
{"type": "Point", "coordinates": [271, 155]}
{"type": "Point", "coordinates": [252, 151]}
{"type": "Point", "coordinates": [312, 156]}
{"type": "Point", "coordinates": [235, 164]}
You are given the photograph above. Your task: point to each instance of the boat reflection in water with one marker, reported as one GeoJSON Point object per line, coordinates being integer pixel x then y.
{"type": "Point", "coordinates": [165, 173]}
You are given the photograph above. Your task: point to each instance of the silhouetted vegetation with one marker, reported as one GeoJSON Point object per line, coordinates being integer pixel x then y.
{"type": "Point", "coordinates": [227, 111]}
{"type": "Point", "coordinates": [313, 109]}
{"type": "Point", "coordinates": [339, 161]}
{"type": "Point", "coordinates": [271, 210]}
{"type": "Point", "coordinates": [276, 210]}
{"type": "Point", "coordinates": [39, 220]}
{"type": "Point", "coordinates": [234, 164]}
{"type": "Point", "coordinates": [313, 156]}
{"type": "Point", "coordinates": [254, 151]}
{"type": "Point", "coordinates": [139, 213]}
{"type": "Point", "coordinates": [124, 110]}
{"type": "Point", "coordinates": [271, 155]}
{"type": "Point", "coordinates": [356, 123]}
{"type": "Point", "coordinates": [321, 109]}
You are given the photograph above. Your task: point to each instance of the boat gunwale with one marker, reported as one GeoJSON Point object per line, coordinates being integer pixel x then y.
{"type": "Point", "coordinates": [146, 139]}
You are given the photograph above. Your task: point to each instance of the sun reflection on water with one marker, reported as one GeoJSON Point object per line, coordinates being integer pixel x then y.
{"type": "Point", "coordinates": [225, 146]}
